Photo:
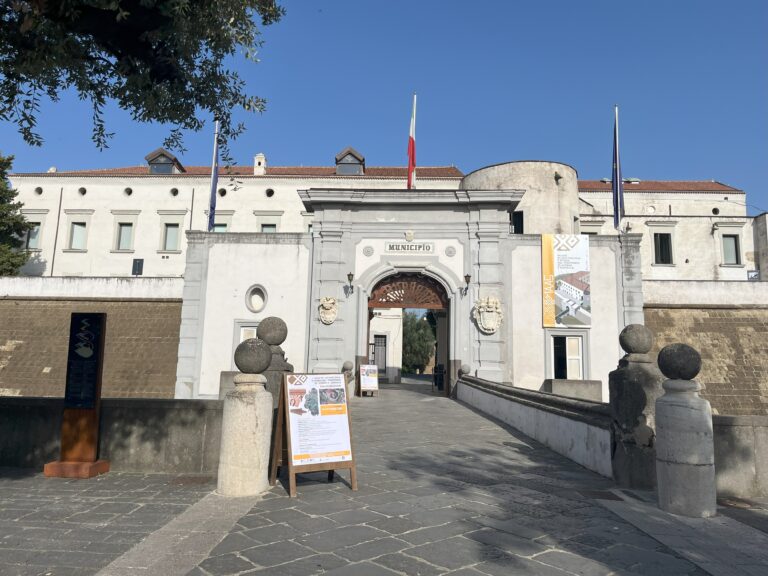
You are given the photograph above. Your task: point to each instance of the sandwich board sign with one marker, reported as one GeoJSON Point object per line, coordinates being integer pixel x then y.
{"type": "Point", "coordinates": [369, 379]}
{"type": "Point", "coordinates": [313, 420]}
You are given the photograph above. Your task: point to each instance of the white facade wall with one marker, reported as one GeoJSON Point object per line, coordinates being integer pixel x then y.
{"type": "Point", "coordinates": [696, 232]}
{"type": "Point", "coordinates": [689, 216]}
{"type": "Point", "coordinates": [704, 293]}
{"type": "Point", "coordinates": [74, 288]}
{"type": "Point", "coordinates": [531, 363]}
{"type": "Point", "coordinates": [244, 208]}
{"type": "Point", "coordinates": [215, 306]}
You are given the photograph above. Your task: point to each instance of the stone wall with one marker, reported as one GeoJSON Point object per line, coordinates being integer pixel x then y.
{"type": "Point", "coordinates": [142, 340]}
{"type": "Point", "coordinates": [136, 435]}
{"type": "Point", "coordinates": [732, 341]}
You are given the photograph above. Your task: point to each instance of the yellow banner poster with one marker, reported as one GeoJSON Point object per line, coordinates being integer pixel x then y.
{"type": "Point", "coordinates": [548, 280]}
{"type": "Point", "coordinates": [565, 281]}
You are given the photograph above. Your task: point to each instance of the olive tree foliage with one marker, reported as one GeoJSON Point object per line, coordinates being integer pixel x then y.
{"type": "Point", "coordinates": [161, 60]}
{"type": "Point", "coordinates": [418, 343]}
{"type": "Point", "coordinates": [13, 226]}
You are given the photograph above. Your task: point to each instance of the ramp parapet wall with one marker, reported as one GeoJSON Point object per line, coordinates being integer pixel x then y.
{"type": "Point", "coordinates": [577, 429]}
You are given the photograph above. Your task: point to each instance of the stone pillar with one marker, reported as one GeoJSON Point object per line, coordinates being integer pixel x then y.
{"type": "Point", "coordinates": [247, 424]}
{"type": "Point", "coordinates": [685, 454]}
{"type": "Point", "coordinates": [634, 387]}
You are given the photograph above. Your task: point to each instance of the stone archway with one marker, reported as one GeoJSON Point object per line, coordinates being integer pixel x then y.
{"type": "Point", "coordinates": [412, 290]}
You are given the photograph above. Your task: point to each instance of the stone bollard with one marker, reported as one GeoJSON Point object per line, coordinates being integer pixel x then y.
{"type": "Point", "coordinates": [247, 424]}
{"type": "Point", "coordinates": [274, 331]}
{"type": "Point", "coordinates": [685, 454]}
{"type": "Point", "coordinates": [348, 369]}
{"type": "Point", "coordinates": [634, 387]}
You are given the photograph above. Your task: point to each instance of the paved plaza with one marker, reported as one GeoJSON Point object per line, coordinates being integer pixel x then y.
{"type": "Point", "coordinates": [443, 490]}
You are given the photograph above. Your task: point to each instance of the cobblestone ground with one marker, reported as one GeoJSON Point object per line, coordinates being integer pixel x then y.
{"type": "Point", "coordinates": [443, 490]}
{"type": "Point", "coordinates": [58, 527]}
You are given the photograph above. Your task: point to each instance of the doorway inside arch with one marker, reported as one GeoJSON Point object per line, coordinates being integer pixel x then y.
{"type": "Point", "coordinates": [408, 332]}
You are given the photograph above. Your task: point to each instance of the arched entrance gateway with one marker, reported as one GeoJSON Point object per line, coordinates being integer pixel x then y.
{"type": "Point", "coordinates": [388, 300]}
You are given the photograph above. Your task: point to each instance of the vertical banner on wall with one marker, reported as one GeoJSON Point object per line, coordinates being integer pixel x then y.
{"type": "Point", "coordinates": [565, 283]}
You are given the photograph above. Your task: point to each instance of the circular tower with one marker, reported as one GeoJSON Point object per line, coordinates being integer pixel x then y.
{"type": "Point", "coordinates": [551, 201]}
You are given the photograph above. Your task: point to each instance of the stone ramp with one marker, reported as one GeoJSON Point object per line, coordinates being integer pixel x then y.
{"type": "Point", "coordinates": [442, 490]}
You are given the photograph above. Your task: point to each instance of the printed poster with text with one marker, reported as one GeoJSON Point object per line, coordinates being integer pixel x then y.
{"type": "Point", "coordinates": [565, 282]}
{"type": "Point", "coordinates": [369, 377]}
{"type": "Point", "coordinates": [317, 415]}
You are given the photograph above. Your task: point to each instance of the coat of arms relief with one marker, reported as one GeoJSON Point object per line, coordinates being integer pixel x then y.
{"type": "Point", "coordinates": [488, 315]}
{"type": "Point", "coordinates": [328, 310]}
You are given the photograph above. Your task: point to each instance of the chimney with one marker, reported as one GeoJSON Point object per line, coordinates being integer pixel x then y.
{"type": "Point", "coordinates": [259, 164]}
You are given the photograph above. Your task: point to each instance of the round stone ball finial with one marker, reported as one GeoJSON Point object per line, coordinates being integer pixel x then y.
{"type": "Point", "coordinates": [272, 330]}
{"type": "Point", "coordinates": [679, 362]}
{"type": "Point", "coordinates": [253, 356]}
{"type": "Point", "coordinates": [464, 369]}
{"type": "Point", "coordinates": [636, 339]}
{"type": "Point", "coordinates": [347, 366]}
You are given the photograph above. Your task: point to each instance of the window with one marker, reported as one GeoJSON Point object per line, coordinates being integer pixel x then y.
{"type": "Point", "coordinates": [567, 357]}
{"type": "Point", "coordinates": [171, 237]}
{"type": "Point", "coordinates": [32, 241]}
{"type": "Point", "coordinates": [309, 228]}
{"type": "Point", "coordinates": [731, 252]}
{"type": "Point", "coordinates": [124, 236]}
{"type": "Point", "coordinates": [517, 222]}
{"type": "Point", "coordinates": [662, 246]}
{"type": "Point", "coordinates": [219, 227]}
{"type": "Point", "coordinates": [268, 228]}
{"type": "Point", "coordinates": [247, 332]}
{"type": "Point", "coordinates": [77, 236]}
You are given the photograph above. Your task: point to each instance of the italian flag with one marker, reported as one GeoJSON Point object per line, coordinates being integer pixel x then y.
{"type": "Point", "coordinates": [412, 148]}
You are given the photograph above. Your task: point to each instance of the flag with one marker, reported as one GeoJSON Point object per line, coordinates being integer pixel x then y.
{"type": "Point", "coordinates": [616, 181]}
{"type": "Point", "coordinates": [412, 148]}
{"type": "Point", "coordinates": [214, 179]}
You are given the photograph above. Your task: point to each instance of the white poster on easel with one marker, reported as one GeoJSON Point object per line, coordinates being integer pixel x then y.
{"type": "Point", "coordinates": [369, 378]}
{"type": "Point", "coordinates": [318, 419]}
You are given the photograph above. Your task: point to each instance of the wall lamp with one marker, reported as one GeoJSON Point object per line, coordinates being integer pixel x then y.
{"type": "Point", "coordinates": [350, 277]}
{"type": "Point", "coordinates": [467, 280]}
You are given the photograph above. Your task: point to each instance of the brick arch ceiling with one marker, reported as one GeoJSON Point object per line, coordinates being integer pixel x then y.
{"type": "Point", "coordinates": [408, 291]}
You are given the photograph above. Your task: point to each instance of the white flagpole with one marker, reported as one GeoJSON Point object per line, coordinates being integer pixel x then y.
{"type": "Point", "coordinates": [214, 179]}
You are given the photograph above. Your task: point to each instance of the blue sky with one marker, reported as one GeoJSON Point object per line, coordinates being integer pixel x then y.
{"type": "Point", "coordinates": [497, 81]}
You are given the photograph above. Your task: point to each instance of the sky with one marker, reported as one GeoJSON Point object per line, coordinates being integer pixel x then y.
{"type": "Point", "coordinates": [496, 81]}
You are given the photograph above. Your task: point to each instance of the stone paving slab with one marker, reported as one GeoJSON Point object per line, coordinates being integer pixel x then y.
{"type": "Point", "coordinates": [58, 527]}
{"type": "Point", "coordinates": [443, 490]}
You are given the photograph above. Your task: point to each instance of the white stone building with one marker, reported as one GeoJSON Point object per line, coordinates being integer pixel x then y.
{"type": "Point", "coordinates": [347, 243]}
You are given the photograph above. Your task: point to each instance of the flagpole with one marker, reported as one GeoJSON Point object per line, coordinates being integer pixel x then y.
{"type": "Point", "coordinates": [617, 183]}
{"type": "Point", "coordinates": [214, 179]}
{"type": "Point", "coordinates": [618, 206]}
{"type": "Point", "coordinates": [411, 180]}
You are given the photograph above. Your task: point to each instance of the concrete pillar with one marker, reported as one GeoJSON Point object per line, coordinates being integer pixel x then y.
{"type": "Point", "coordinates": [348, 369]}
{"type": "Point", "coordinates": [247, 425]}
{"type": "Point", "coordinates": [685, 454]}
{"type": "Point", "coordinates": [634, 388]}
